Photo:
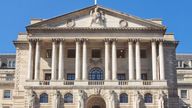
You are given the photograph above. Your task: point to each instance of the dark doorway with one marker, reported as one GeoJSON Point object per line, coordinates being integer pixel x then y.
{"type": "Point", "coordinates": [47, 76]}
{"type": "Point", "coordinates": [96, 106]}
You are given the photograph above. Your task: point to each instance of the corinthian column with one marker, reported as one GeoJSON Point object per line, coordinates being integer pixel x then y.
{"type": "Point", "coordinates": [54, 60]}
{"type": "Point", "coordinates": [138, 60]}
{"type": "Point", "coordinates": [154, 60]}
{"type": "Point", "coordinates": [107, 70]}
{"type": "Point", "coordinates": [77, 60]}
{"type": "Point", "coordinates": [61, 60]}
{"type": "Point", "coordinates": [114, 60]}
{"type": "Point", "coordinates": [30, 64]}
{"type": "Point", "coordinates": [161, 57]}
{"type": "Point", "coordinates": [37, 60]}
{"type": "Point", "coordinates": [131, 62]}
{"type": "Point", "coordinates": [84, 70]}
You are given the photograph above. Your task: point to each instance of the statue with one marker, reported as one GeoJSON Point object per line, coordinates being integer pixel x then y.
{"type": "Point", "coordinates": [32, 100]}
{"type": "Point", "coordinates": [112, 99]}
{"type": "Point", "coordinates": [162, 97]}
{"type": "Point", "coordinates": [97, 17]}
{"type": "Point", "coordinates": [81, 99]}
{"type": "Point", "coordinates": [138, 99]}
{"type": "Point", "coordinates": [57, 99]}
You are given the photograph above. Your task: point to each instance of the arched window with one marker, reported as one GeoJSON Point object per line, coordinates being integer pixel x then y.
{"type": "Point", "coordinates": [96, 74]}
{"type": "Point", "coordinates": [44, 98]}
{"type": "Point", "coordinates": [68, 98]}
{"type": "Point", "coordinates": [148, 98]}
{"type": "Point", "coordinates": [123, 98]}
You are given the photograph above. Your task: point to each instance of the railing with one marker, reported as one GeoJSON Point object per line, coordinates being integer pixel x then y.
{"type": "Point", "coordinates": [95, 82]}
{"type": "Point", "coordinates": [6, 78]}
{"type": "Point", "coordinates": [68, 83]}
{"type": "Point", "coordinates": [45, 82]}
{"type": "Point", "coordinates": [147, 82]}
{"type": "Point", "coordinates": [123, 82]}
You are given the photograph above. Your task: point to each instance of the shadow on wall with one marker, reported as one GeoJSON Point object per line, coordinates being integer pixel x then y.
{"type": "Point", "coordinates": [183, 104]}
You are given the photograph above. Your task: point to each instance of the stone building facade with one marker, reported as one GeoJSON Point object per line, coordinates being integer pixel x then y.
{"type": "Point", "coordinates": [95, 58]}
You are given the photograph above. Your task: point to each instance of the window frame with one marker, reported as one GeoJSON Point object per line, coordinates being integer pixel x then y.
{"type": "Point", "coordinates": [120, 75]}
{"type": "Point", "coordinates": [141, 56]}
{"type": "Point", "coordinates": [125, 99]}
{"type": "Point", "coordinates": [70, 77]}
{"type": "Point", "coordinates": [70, 57]}
{"type": "Point", "coordinates": [186, 94]}
{"type": "Point", "coordinates": [41, 102]}
{"type": "Point", "coordinates": [10, 97]}
{"type": "Point", "coordinates": [68, 101]}
{"type": "Point", "coordinates": [119, 49]}
{"type": "Point", "coordinates": [96, 49]}
{"type": "Point", "coordinates": [46, 55]}
{"type": "Point", "coordinates": [146, 96]}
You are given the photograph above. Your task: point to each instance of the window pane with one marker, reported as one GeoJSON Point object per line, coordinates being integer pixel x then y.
{"type": "Point", "coordinates": [68, 98]}
{"type": "Point", "coordinates": [144, 76]}
{"type": "Point", "coordinates": [143, 53]}
{"type": "Point", "coordinates": [70, 76]}
{"type": "Point", "coordinates": [121, 77]}
{"type": "Point", "coordinates": [120, 53]}
{"type": "Point", "coordinates": [7, 94]}
{"type": "Point", "coordinates": [148, 98]}
{"type": "Point", "coordinates": [44, 98]}
{"type": "Point", "coordinates": [123, 98]}
{"type": "Point", "coordinates": [183, 93]}
{"type": "Point", "coordinates": [47, 76]}
{"type": "Point", "coordinates": [96, 74]}
{"type": "Point", "coordinates": [71, 53]}
{"type": "Point", "coordinates": [96, 53]}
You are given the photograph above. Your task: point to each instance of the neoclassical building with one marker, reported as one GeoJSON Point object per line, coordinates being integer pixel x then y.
{"type": "Point", "coordinates": [95, 58]}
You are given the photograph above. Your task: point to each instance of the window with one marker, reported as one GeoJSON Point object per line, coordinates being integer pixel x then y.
{"type": "Point", "coordinates": [70, 76]}
{"type": "Point", "coordinates": [183, 93]}
{"type": "Point", "coordinates": [44, 98]}
{"type": "Point", "coordinates": [48, 53]}
{"type": "Point", "coordinates": [123, 98]}
{"type": "Point", "coordinates": [96, 74]}
{"type": "Point", "coordinates": [9, 77]}
{"type": "Point", "coordinates": [68, 98]}
{"type": "Point", "coordinates": [96, 53]}
{"type": "Point", "coordinates": [7, 94]}
{"type": "Point", "coordinates": [47, 76]}
{"type": "Point", "coordinates": [71, 53]}
{"type": "Point", "coordinates": [121, 77]}
{"type": "Point", "coordinates": [144, 76]}
{"type": "Point", "coordinates": [148, 98]}
{"type": "Point", "coordinates": [143, 53]}
{"type": "Point", "coordinates": [120, 53]}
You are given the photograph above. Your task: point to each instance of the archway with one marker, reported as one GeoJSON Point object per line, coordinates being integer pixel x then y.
{"type": "Point", "coordinates": [95, 102]}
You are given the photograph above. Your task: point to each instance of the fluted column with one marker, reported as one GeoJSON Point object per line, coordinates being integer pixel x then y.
{"type": "Point", "coordinates": [161, 60]}
{"type": "Point", "coordinates": [61, 60]}
{"type": "Point", "coordinates": [154, 59]}
{"type": "Point", "coordinates": [54, 60]}
{"type": "Point", "coordinates": [77, 60]}
{"type": "Point", "coordinates": [84, 64]}
{"type": "Point", "coordinates": [138, 60]}
{"type": "Point", "coordinates": [114, 60]}
{"type": "Point", "coordinates": [107, 68]}
{"type": "Point", "coordinates": [131, 61]}
{"type": "Point", "coordinates": [37, 60]}
{"type": "Point", "coordinates": [30, 63]}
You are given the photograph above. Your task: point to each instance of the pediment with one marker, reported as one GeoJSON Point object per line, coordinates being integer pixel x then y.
{"type": "Point", "coordinates": [96, 17]}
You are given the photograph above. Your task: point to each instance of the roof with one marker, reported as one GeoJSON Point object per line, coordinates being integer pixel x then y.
{"type": "Point", "coordinates": [183, 56]}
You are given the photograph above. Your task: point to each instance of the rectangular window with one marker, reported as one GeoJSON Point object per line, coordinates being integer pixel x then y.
{"type": "Point", "coordinates": [47, 76]}
{"type": "Point", "coordinates": [120, 53]}
{"type": "Point", "coordinates": [183, 93]}
{"type": "Point", "coordinates": [96, 53]}
{"type": "Point", "coordinates": [9, 77]}
{"type": "Point", "coordinates": [144, 76]}
{"type": "Point", "coordinates": [7, 94]}
{"type": "Point", "coordinates": [70, 76]}
{"type": "Point", "coordinates": [121, 77]}
{"type": "Point", "coordinates": [71, 53]}
{"type": "Point", "coordinates": [48, 53]}
{"type": "Point", "coordinates": [143, 53]}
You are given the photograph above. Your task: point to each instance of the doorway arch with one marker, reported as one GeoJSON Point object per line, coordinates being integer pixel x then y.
{"type": "Point", "coordinates": [95, 102]}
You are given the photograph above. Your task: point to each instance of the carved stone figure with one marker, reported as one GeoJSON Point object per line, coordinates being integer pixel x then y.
{"type": "Point", "coordinates": [81, 99]}
{"type": "Point", "coordinates": [138, 99]}
{"type": "Point", "coordinates": [57, 99]}
{"type": "Point", "coordinates": [112, 99]}
{"type": "Point", "coordinates": [32, 100]}
{"type": "Point", "coordinates": [97, 17]}
{"type": "Point", "coordinates": [162, 97]}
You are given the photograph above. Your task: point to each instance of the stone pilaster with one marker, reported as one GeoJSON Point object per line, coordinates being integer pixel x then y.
{"type": "Point", "coordinates": [84, 60]}
{"type": "Point", "coordinates": [131, 60]}
{"type": "Point", "coordinates": [61, 60]}
{"type": "Point", "coordinates": [37, 59]}
{"type": "Point", "coordinates": [77, 60]}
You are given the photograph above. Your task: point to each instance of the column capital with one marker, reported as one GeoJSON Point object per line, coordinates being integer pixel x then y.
{"type": "Point", "coordinates": [137, 40]}
{"type": "Point", "coordinates": [61, 39]}
{"type": "Point", "coordinates": [85, 39]}
{"type": "Point", "coordinates": [114, 40]}
{"type": "Point", "coordinates": [78, 39]}
{"type": "Point", "coordinates": [107, 40]}
{"type": "Point", "coordinates": [55, 39]}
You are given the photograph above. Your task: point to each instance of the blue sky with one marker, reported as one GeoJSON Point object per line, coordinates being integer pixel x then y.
{"type": "Point", "coordinates": [16, 14]}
